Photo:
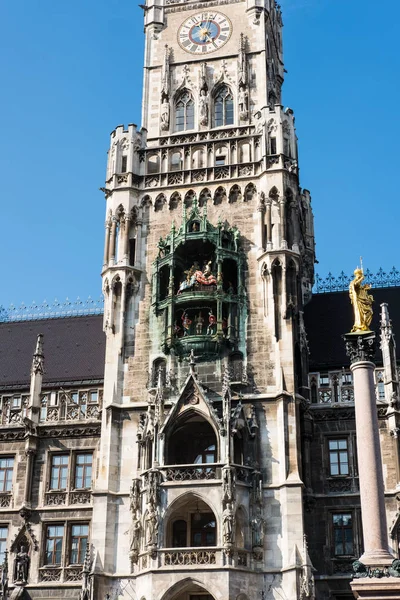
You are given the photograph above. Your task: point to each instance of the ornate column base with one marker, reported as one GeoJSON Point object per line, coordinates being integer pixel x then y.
{"type": "Point", "coordinates": [376, 581]}
{"type": "Point", "coordinates": [376, 589]}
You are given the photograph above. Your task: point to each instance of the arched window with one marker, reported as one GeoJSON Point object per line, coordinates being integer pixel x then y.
{"type": "Point", "coordinates": [223, 107]}
{"type": "Point", "coordinates": [192, 441]}
{"type": "Point", "coordinates": [184, 112]}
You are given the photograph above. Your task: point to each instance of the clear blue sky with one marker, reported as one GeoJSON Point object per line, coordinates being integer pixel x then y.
{"type": "Point", "coordinates": [72, 71]}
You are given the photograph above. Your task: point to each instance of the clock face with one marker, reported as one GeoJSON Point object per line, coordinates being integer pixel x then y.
{"type": "Point", "coordinates": [204, 32]}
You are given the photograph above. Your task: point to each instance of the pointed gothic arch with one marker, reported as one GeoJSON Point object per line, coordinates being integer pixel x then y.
{"type": "Point", "coordinates": [184, 110]}
{"type": "Point", "coordinates": [223, 113]}
{"type": "Point", "coordinates": [175, 200]}
{"type": "Point", "coordinates": [179, 590]}
{"type": "Point", "coordinates": [204, 197]}
{"type": "Point", "coordinates": [191, 520]}
{"type": "Point", "coordinates": [250, 192]}
{"type": "Point", "coordinates": [160, 202]}
{"type": "Point", "coordinates": [219, 195]}
{"type": "Point", "coordinates": [191, 439]}
{"type": "Point", "coordinates": [235, 194]}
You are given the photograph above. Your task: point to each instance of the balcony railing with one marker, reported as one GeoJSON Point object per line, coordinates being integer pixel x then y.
{"type": "Point", "coordinates": [203, 472]}
{"type": "Point", "coordinates": [64, 498]}
{"type": "Point", "coordinates": [188, 556]}
{"type": "Point", "coordinates": [196, 557]}
{"type": "Point", "coordinates": [192, 472]}
{"type": "Point", "coordinates": [50, 574]}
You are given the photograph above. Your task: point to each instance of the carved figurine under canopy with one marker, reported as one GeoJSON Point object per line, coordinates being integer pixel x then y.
{"type": "Point", "coordinates": [194, 277]}
{"type": "Point", "coordinates": [21, 565]}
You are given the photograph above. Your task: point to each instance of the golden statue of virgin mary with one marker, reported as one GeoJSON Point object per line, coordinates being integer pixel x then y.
{"type": "Point", "coordinates": [361, 301]}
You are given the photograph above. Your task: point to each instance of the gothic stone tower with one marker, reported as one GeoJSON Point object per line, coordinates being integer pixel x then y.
{"type": "Point", "coordinates": [208, 262]}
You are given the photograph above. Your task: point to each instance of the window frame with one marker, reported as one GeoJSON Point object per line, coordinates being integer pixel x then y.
{"type": "Point", "coordinates": [3, 540]}
{"type": "Point", "coordinates": [71, 537]}
{"type": "Point", "coordinates": [72, 455]}
{"type": "Point", "coordinates": [223, 92]}
{"type": "Point", "coordinates": [338, 451]}
{"type": "Point", "coordinates": [185, 97]}
{"type": "Point", "coordinates": [76, 454]}
{"type": "Point", "coordinates": [343, 528]}
{"type": "Point", "coordinates": [48, 525]}
{"type": "Point", "coordinates": [60, 468]}
{"type": "Point", "coordinates": [7, 470]}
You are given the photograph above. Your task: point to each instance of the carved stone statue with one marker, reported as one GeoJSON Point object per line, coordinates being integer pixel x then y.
{"type": "Point", "coordinates": [165, 115]}
{"type": "Point", "coordinates": [228, 484]}
{"type": "Point", "coordinates": [152, 527]}
{"type": "Point", "coordinates": [228, 524]}
{"type": "Point", "coordinates": [257, 527]}
{"type": "Point", "coordinates": [203, 107]}
{"type": "Point", "coordinates": [134, 542]}
{"type": "Point", "coordinates": [21, 566]}
{"type": "Point", "coordinates": [243, 102]}
{"type": "Point", "coordinates": [135, 496]}
{"type": "Point", "coordinates": [361, 301]}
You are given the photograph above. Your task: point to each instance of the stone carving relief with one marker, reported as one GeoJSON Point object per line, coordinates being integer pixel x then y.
{"type": "Point", "coordinates": [21, 564]}
{"type": "Point", "coordinates": [243, 96]}
{"type": "Point", "coordinates": [165, 91]}
{"type": "Point", "coordinates": [135, 531]}
{"type": "Point", "coordinates": [204, 96]}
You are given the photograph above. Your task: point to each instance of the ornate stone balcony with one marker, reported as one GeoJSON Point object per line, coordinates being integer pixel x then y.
{"type": "Point", "coordinates": [202, 472]}
{"type": "Point", "coordinates": [50, 574]}
{"type": "Point", "coordinates": [188, 556]}
{"type": "Point", "coordinates": [207, 557]}
{"type": "Point", "coordinates": [65, 498]}
{"type": "Point", "coordinates": [71, 405]}
{"type": "Point", "coordinates": [191, 472]}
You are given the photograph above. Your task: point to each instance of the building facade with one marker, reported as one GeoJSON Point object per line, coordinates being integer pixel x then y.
{"type": "Point", "coordinates": [186, 452]}
{"type": "Point", "coordinates": [208, 262]}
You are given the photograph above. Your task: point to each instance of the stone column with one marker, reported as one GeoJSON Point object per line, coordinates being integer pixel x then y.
{"type": "Point", "coordinates": [360, 347]}
{"type": "Point", "coordinates": [261, 210]}
{"type": "Point", "coordinates": [106, 244]}
{"type": "Point", "coordinates": [269, 224]}
{"type": "Point", "coordinates": [30, 457]}
{"type": "Point", "coordinates": [126, 238]}
{"type": "Point", "coordinates": [113, 240]}
{"type": "Point", "coordinates": [138, 247]}
{"type": "Point", "coordinates": [282, 203]}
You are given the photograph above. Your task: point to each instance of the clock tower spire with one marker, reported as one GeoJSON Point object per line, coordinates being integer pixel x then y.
{"type": "Point", "coordinates": [208, 264]}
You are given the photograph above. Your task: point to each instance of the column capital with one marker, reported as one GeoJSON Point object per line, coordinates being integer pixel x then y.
{"type": "Point", "coordinates": [360, 347]}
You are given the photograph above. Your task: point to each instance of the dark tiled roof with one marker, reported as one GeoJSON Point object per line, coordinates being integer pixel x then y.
{"type": "Point", "coordinates": [74, 349]}
{"type": "Point", "coordinates": [329, 316]}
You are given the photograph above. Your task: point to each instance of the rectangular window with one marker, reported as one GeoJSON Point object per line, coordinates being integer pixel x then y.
{"type": "Point", "coordinates": [343, 534]}
{"type": "Point", "coordinates": [3, 542]}
{"type": "Point", "coordinates": [286, 146]}
{"type": "Point", "coordinates": [83, 471]}
{"type": "Point", "coordinates": [6, 473]}
{"type": "Point", "coordinates": [132, 251]}
{"type": "Point", "coordinates": [220, 161]}
{"type": "Point", "coordinates": [79, 541]}
{"type": "Point", "coordinates": [54, 541]}
{"type": "Point", "coordinates": [338, 457]}
{"type": "Point", "coordinates": [273, 145]}
{"type": "Point", "coordinates": [324, 379]}
{"type": "Point", "coordinates": [59, 472]}
{"type": "Point", "coordinates": [124, 164]}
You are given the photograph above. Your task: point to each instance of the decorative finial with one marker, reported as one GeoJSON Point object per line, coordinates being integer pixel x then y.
{"type": "Point", "coordinates": [361, 301]}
